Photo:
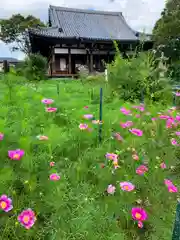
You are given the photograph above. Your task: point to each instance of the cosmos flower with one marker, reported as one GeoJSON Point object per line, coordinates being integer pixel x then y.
{"type": "Point", "coordinates": [136, 132]}
{"type": "Point", "coordinates": [54, 177]}
{"type": "Point", "coordinates": [111, 189]}
{"type": "Point", "coordinates": [177, 94]}
{"type": "Point", "coordinates": [51, 109]}
{"type": "Point", "coordinates": [127, 186]}
{"type": "Point", "coordinates": [111, 156]}
{"type": "Point", "coordinates": [52, 164]}
{"type": "Point", "coordinates": [1, 136]}
{"type": "Point", "coordinates": [47, 101]}
{"type": "Point", "coordinates": [168, 182]}
{"type": "Point", "coordinates": [163, 165]}
{"type": "Point", "coordinates": [83, 126]}
{"type": "Point", "coordinates": [27, 218]}
{"type": "Point", "coordinates": [125, 111]}
{"type": "Point", "coordinates": [126, 124]}
{"type": "Point", "coordinates": [141, 170]}
{"type": "Point", "coordinates": [88, 116]}
{"type": "Point", "coordinates": [5, 203]}
{"type": "Point", "coordinates": [16, 154]}
{"type": "Point", "coordinates": [139, 214]}
{"type": "Point", "coordinates": [178, 133]}
{"type": "Point", "coordinates": [172, 188]}
{"type": "Point", "coordinates": [135, 157]}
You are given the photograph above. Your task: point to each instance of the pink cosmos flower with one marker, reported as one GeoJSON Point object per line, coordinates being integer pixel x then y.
{"type": "Point", "coordinates": [127, 186]}
{"type": "Point", "coordinates": [27, 218]}
{"type": "Point", "coordinates": [86, 107]}
{"type": "Point", "coordinates": [135, 157]}
{"type": "Point", "coordinates": [16, 154]}
{"type": "Point", "coordinates": [83, 126]}
{"type": "Point", "coordinates": [172, 188]}
{"type": "Point", "coordinates": [5, 203]}
{"type": "Point", "coordinates": [126, 124]}
{"type": "Point", "coordinates": [141, 170]}
{"type": "Point", "coordinates": [174, 142]}
{"type": "Point", "coordinates": [137, 115]}
{"type": "Point", "coordinates": [140, 224]}
{"type": "Point", "coordinates": [88, 116]}
{"type": "Point", "coordinates": [51, 109]}
{"type": "Point", "coordinates": [117, 136]}
{"type": "Point", "coordinates": [136, 132]}
{"type": "Point", "coordinates": [139, 214]}
{"type": "Point", "coordinates": [163, 165]}
{"type": "Point", "coordinates": [153, 119]}
{"type": "Point", "coordinates": [125, 111]}
{"type": "Point", "coordinates": [1, 136]}
{"type": "Point", "coordinates": [178, 94]}
{"type": "Point", "coordinates": [47, 101]}
{"type": "Point", "coordinates": [52, 164]}
{"type": "Point", "coordinates": [111, 189]}
{"type": "Point", "coordinates": [164, 117]}
{"type": "Point", "coordinates": [141, 107]}
{"type": "Point", "coordinates": [167, 182]}
{"type": "Point", "coordinates": [178, 133]}
{"type": "Point", "coordinates": [42, 137]}
{"type": "Point", "coordinates": [54, 177]}
{"type": "Point", "coordinates": [178, 117]}
{"type": "Point", "coordinates": [111, 156]}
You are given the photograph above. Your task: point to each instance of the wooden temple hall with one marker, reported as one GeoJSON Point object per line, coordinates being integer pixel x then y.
{"type": "Point", "coordinates": [77, 37]}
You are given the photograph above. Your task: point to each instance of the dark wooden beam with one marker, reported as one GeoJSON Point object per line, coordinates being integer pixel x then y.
{"type": "Point", "coordinates": [69, 56]}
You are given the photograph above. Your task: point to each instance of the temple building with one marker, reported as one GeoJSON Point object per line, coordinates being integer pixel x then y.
{"type": "Point", "coordinates": [78, 37]}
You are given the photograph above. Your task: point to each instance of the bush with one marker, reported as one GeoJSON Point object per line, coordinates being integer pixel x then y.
{"type": "Point", "coordinates": [137, 78]}
{"type": "Point", "coordinates": [35, 67]}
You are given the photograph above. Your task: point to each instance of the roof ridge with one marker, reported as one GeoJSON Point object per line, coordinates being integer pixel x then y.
{"type": "Point", "coordinates": [88, 11]}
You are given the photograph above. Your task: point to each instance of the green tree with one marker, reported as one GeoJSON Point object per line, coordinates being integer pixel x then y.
{"type": "Point", "coordinates": [14, 30]}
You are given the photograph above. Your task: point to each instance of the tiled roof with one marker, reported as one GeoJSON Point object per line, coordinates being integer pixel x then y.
{"type": "Point", "coordinates": [86, 24]}
{"type": "Point", "coordinates": [9, 59]}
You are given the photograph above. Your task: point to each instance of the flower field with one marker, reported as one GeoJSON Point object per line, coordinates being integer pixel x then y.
{"type": "Point", "coordinates": [58, 182]}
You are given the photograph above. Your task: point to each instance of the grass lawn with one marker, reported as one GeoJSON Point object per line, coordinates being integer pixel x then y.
{"type": "Point", "coordinates": [80, 205]}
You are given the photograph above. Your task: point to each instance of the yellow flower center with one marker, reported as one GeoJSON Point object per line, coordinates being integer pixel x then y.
{"type": "Point", "coordinates": [138, 215]}
{"type": "Point", "coordinates": [26, 219]}
{"type": "Point", "coordinates": [16, 156]}
{"type": "Point", "coordinates": [126, 187]}
{"type": "Point", "coordinates": [3, 205]}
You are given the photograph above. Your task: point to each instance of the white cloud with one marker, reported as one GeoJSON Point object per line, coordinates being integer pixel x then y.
{"type": "Point", "coordinates": [140, 14]}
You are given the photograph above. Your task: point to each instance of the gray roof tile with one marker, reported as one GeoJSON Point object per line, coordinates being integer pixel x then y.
{"type": "Point", "coordinates": [87, 24]}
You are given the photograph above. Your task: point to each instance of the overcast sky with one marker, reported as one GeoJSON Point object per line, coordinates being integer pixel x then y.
{"type": "Point", "coordinates": [140, 14]}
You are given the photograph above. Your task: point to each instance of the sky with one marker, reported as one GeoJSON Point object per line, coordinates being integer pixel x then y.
{"type": "Point", "coordinates": [141, 15]}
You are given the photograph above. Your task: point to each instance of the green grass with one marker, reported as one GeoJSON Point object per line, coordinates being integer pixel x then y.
{"type": "Point", "coordinates": [78, 206]}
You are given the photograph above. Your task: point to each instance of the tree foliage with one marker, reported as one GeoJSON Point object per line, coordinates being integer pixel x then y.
{"type": "Point", "coordinates": [14, 30]}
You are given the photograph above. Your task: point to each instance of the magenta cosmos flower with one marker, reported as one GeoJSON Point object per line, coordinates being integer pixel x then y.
{"type": "Point", "coordinates": [5, 203]}
{"type": "Point", "coordinates": [163, 165]}
{"type": "Point", "coordinates": [88, 116]}
{"type": "Point", "coordinates": [139, 214]}
{"type": "Point", "coordinates": [51, 109]}
{"type": "Point", "coordinates": [178, 94]}
{"type": "Point", "coordinates": [125, 111]}
{"type": "Point", "coordinates": [47, 101]}
{"type": "Point", "coordinates": [174, 142]}
{"type": "Point", "coordinates": [178, 133]}
{"type": "Point", "coordinates": [127, 186]}
{"type": "Point", "coordinates": [126, 124]}
{"type": "Point", "coordinates": [27, 218]}
{"type": "Point", "coordinates": [136, 132]}
{"type": "Point", "coordinates": [111, 189]}
{"type": "Point", "coordinates": [141, 170]}
{"type": "Point", "coordinates": [111, 156]}
{"type": "Point", "coordinates": [16, 154]}
{"type": "Point", "coordinates": [54, 177]}
{"type": "Point", "coordinates": [1, 136]}
{"type": "Point", "coordinates": [167, 182]}
{"type": "Point", "coordinates": [83, 126]}
{"type": "Point", "coordinates": [172, 188]}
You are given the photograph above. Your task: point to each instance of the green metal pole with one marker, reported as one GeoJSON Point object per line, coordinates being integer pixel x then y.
{"type": "Point", "coordinates": [176, 231]}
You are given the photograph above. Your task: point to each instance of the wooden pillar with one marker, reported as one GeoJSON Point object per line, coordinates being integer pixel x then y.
{"type": "Point", "coordinates": [53, 61]}
{"type": "Point", "coordinates": [91, 62]}
{"type": "Point", "coordinates": [87, 58]}
{"type": "Point", "coordinates": [5, 66]}
{"type": "Point", "coordinates": [69, 62]}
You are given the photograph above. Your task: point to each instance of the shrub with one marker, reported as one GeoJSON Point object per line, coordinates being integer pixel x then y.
{"type": "Point", "coordinates": [137, 78]}
{"type": "Point", "coordinates": [35, 67]}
